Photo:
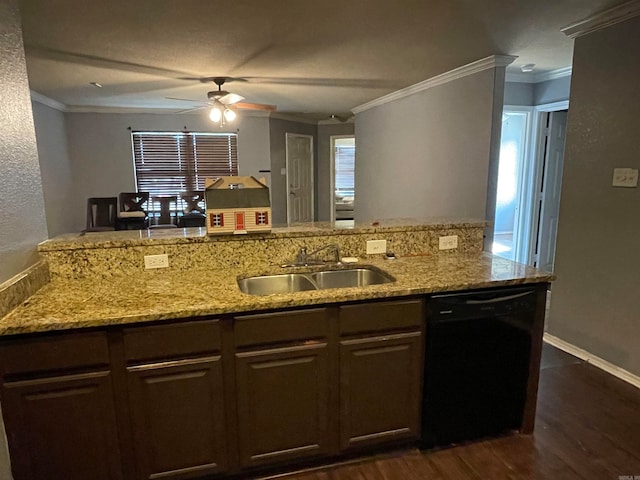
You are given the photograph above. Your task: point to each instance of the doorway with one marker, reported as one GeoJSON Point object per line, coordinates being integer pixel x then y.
{"type": "Point", "coordinates": [299, 168]}
{"type": "Point", "coordinates": [529, 183]}
{"type": "Point", "coordinates": [510, 237]}
{"type": "Point", "coordinates": [342, 172]}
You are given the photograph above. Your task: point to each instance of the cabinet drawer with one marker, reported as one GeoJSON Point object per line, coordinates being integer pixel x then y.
{"type": "Point", "coordinates": [380, 316]}
{"type": "Point", "coordinates": [172, 341]}
{"type": "Point", "coordinates": [281, 327]}
{"type": "Point", "coordinates": [52, 353]}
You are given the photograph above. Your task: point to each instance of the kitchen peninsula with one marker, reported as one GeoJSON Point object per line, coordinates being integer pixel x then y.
{"type": "Point", "coordinates": [175, 373]}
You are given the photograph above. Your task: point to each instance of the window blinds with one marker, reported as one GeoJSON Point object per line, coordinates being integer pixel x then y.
{"type": "Point", "coordinates": [174, 162]}
{"type": "Point", "coordinates": [345, 156]}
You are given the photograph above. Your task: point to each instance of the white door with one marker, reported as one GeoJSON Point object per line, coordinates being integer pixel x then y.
{"type": "Point", "coordinates": [553, 162]}
{"type": "Point", "coordinates": [299, 178]}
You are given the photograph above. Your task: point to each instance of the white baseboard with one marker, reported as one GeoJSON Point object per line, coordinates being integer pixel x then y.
{"type": "Point", "coordinates": [614, 370]}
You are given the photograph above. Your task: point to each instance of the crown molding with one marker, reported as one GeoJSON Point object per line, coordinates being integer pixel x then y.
{"type": "Point", "coordinates": [518, 77]}
{"type": "Point", "coordinates": [49, 102]}
{"type": "Point", "coordinates": [475, 67]}
{"type": "Point", "coordinates": [603, 19]}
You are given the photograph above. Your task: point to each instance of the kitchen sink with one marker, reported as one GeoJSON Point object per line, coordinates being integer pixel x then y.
{"type": "Point", "coordinates": [300, 282]}
{"type": "Point", "coordinates": [357, 277]}
{"type": "Point", "coordinates": [268, 284]}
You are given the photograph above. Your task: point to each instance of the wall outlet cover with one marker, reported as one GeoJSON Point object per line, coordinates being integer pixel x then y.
{"type": "Point", "coordinates": [376, 246]}
{"type": "Point", "coordinates": [156, 261]}
{"type": "Point", "coordinates": [625, 177]}
{"type": "Point", "coordinates": [448, 242]}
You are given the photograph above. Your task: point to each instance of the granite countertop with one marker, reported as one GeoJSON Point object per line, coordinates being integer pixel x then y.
{"type": "Point", "coordinates": [88, 240]}
{"type": "Point", "coordinates": [163, 295]}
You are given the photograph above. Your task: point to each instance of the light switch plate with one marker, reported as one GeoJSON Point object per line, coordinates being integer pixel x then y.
{"type": "Point", "coordinates": [625, 177]}
{"type": "Point", "coordinates": [448, 242]}
{"type": "Point", "coordinates": [376, 246]}
{"type": "Point", "coordinates": [156, 261]}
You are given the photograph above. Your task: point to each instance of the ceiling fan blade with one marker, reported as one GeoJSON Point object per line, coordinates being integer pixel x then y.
{"type": "Point", "coordinates": [184, 99]}
{"type": "Point", "coordinates": [190, 109]}
{"type": "Point", "coordinates": [231, 99]}
{"type": "Point", "coordinates": [255, 106]}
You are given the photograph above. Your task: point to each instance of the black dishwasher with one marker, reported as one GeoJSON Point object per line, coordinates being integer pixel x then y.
{"type": "Point", "coordinates": [478, 346]}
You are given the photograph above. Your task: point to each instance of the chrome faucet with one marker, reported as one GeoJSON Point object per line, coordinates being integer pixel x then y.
{"type": "Point", "coordinates": [304, 258]}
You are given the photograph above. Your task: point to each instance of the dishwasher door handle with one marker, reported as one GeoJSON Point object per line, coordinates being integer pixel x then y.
{"type": "Point", "coordinates": [499, 299]}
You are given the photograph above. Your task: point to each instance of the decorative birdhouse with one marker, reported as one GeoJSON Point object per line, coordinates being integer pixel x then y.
{"type": "Point", "coordinates": [237, 204]}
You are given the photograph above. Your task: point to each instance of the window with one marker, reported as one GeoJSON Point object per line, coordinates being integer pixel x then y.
{"type": "Point", "coordinates": [345, 155]}
{"type": "Point", "coordinates": [168, 163]}
{"type": "Point", "coordinates": [262, 218]}
{"type": "Point", "coordinates": [217, 219]}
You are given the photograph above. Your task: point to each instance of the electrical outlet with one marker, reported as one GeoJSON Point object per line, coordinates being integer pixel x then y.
{"type": "Point", "coordinates": [448, 242]}
{"type": "Point", "coordinates": [625, 177]}
{"type": "Point", "coordinates": [376, 246]}
{"type": "Point", "coordinates": [156, 261]}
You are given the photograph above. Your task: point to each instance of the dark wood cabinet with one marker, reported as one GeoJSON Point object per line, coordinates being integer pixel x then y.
{"type": "Point", "coordinates": [176, 406]}
{"type": "Point", "coordinates": [381, 364]}
{"type": "Point", "coordinates": [177, 417]}
{"type": "Point", "coordinates": [380, 389]}
{"type": "Point", "coordinates": [283, 403]}
{"type": "Point", "coordinates": [62, 427]}
{"type": "Point", "coordinates": [199, 398]}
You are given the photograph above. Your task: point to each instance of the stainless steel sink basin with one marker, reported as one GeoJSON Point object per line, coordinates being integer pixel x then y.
{"type": "Point", "coordinates": [266, 285]}
{"type": "Point", "coordinates": [357, 277]}
{"type": "Point", "coordinates": [299, 282]}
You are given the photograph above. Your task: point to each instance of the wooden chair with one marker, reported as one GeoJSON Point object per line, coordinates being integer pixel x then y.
{"type": "Point", "coordinates": [102, 214]}
{"type": "Point", "coordinates": [194, 214]}
{"type": "Point", "coordinates": [133, 210]}
{"type": "Point", "coordinates": [167, 212]}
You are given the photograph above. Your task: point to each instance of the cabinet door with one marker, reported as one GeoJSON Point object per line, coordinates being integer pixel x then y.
{"type": "Point", "coordinates": [62, 427]}
{"type": "Point", "coordinates": [283, 396]}
{"type": "Point", "coordinates": [380, 389]}
{"type": "Point", "coordinates": [177, 413]}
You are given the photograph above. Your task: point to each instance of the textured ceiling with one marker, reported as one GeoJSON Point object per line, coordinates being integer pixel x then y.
{"type": "Point", "coordinates": [301, 55]}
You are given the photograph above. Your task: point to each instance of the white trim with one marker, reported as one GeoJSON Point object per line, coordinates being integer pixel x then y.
{"type": "Point", "coordinates": [49, 102]}
{"type": "Point", "coordinates": [522, 234]}
{"type": "Point", "coordinates": [552, 107]}
{"type": "Point", "coordinates": [537, 135]}
{"type": "Point", "coordinates": [518, 77]}
{"type": "Point", "coordinates": [460, 72]}
{"type": "Point", "coordinates": [604, 19]}
{"type": "Point", "coordinates": [594, 360]}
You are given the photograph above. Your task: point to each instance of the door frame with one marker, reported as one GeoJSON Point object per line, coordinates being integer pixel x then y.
{"type": "Point", "coordinates": [332, 172]}
{"type": "Point", "coordinates": [522, 231]}
{"type": "Point", "coordinates": [535, 184]}
{"type": "Point", "coordinates": [312, 165]}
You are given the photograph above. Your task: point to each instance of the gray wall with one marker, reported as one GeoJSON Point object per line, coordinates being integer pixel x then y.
{"type": "Point", "coordinates": [323, 183]}
{"type": "Point", "coordinates": [429, 154]}
{"type": "Point", "coordinates": [55, 165]}
{"type": "Point", "coordinates": [101, 156]}
{"type": "Point", "coordinates": [594, 302]}
{"type": "Point", "coordinates": [277, 130]}
{"type": "Point", "coordinates": [22, 216]}
{"type": "Point", "coordinates": [518, 93]}
{"type": "Point", "coordinates": [551, 91]}
{"type": "Point", "coordinates": [531, 94]}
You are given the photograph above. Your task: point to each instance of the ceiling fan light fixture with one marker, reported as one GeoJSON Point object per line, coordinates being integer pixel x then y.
{"type": "Point", "coordinates": [215, 114]}
{"type": "Point", "coordinates": [229, 115]}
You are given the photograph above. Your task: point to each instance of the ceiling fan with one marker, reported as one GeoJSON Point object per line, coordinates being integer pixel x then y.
{"type": "Point", "coordinates": [223, 103]}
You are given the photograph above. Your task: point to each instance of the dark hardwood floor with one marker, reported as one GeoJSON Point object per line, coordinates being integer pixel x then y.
{"type": "Point", "coordinates": [587, 427]}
